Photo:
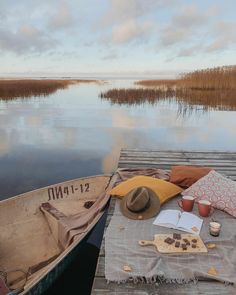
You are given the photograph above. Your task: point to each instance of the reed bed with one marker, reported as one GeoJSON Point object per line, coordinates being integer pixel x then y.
{"type": "Point", "coordinates": [217, 100]}
{"type": "Point", "coordinates": [11, 89]}
{"type": "Point", "coordinates": [219, 78]}
{"type": "Point", "coordinates": [158, 83]}
{"type": "Point", "coordinates": [137, 95]}
{"type": "Point", "coordinates": [211, 89]}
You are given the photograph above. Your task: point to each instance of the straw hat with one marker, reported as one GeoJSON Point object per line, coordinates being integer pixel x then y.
{"type": "Point", "coordinates": [140, 203]}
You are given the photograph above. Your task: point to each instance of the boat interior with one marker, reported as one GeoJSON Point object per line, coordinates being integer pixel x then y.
{"type": "Point", "coordinates": [29, 245]}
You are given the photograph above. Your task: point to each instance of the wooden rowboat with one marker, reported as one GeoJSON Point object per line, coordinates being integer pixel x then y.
{"type": "Point", "coordinates": [31, 256]}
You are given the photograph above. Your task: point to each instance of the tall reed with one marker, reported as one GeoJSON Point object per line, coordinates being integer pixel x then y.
{"type": "Point", "coordinates": [219, 78]}
{"type": "Point", "coordinates": [210, 99]}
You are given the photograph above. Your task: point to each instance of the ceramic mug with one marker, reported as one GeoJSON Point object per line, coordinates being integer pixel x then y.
{"type": "Point", "coordinates": [186, 203]}
{"type": "Point", "coordinates": [204, 208]}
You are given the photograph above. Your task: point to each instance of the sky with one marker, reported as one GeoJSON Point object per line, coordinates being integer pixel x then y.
{"type": "Point", "coordinates": [120, 37]}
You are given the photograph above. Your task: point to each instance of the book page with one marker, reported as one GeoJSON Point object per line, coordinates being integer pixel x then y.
{"type": "Point", "coordinates": [168, 218]}
{"type": "Point", "coordinates": [190, 223]}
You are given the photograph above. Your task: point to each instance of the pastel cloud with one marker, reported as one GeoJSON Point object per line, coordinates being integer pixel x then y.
{"type": "Point", "coordinates": [225, 36]}
{"type": "Point", "coordinates": [189, 51]}
{"type": "Point", "coordinates": [130, 31]}
{"type": "Point", "coordinates": [115, 35]}
{"type": "Point", "coordinates": [26, 39]}
{"type": "Point", "coordinates": [62, 17]}
{"type": "Point", "coordinates": [222, 37]}
{"type": "Point", "coordinates": [171, 37]}
{"type": "Point", "coordinates": [123, 10]}
{"type": "Point", "coordinates": [183, 26]}
{"type": "Point", "coordinates": [190, 16]}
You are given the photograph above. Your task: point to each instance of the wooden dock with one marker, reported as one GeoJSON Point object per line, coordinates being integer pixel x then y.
{"type": "Point", "coordinates": [223, 162]}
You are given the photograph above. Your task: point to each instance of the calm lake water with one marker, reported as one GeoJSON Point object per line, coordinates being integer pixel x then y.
{"type": "Point", "coordinates": [74, 133]}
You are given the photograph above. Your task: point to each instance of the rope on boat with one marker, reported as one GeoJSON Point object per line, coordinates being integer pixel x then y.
{"type": "Point", "coordinates": [4, 275]}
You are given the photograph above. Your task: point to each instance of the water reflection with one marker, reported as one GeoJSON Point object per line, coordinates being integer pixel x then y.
{"type": "Point", "coordinates": [28, 168]}
{"type": "Point", "coordinates": [188, 100]}
{"type": "Point", "coordinates": [73, 133]}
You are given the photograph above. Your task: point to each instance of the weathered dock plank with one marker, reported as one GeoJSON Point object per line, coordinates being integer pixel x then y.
{"type": "Point", "coordinates": [224, 162]}
{"type": "Point", "coordinates": [203, 288]}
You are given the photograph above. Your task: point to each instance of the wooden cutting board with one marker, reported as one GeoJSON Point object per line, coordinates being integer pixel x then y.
{"type": "Point", "coordinates": [163, 247]}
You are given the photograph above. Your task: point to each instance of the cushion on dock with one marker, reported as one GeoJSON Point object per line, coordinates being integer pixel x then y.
{"type": "Point", "coordinates": [217, 189]}
{"type": "Point", "coordinates": [185, 176]}
{"type": "Point", "coordinates": [164, 189]}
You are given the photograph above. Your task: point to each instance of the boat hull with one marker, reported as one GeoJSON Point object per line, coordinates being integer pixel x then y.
{"type": "Point", "coordinates": [47, 281]}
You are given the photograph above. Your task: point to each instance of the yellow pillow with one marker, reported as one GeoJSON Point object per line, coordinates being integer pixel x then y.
{"type": "Point", "coordinates": [164, 189]}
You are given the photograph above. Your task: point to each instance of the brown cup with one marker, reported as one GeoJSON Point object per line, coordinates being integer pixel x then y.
{"type": "Point", "coordinates": [186, 203]}
{"type": "Point", "coordinates": [204, 208]}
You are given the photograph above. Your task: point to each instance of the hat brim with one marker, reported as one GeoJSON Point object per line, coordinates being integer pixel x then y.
{"type": "Point", "coordinates": [150, 212]}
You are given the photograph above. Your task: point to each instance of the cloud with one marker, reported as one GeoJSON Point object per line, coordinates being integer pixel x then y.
{"type": "Point", "coordinates": [197, 32]}
{"type": "Point", "coordinates": [130, 31]}
{"type": "Point", "coordinates": [110, 56]}
{"type": "Point", "coordinates": [189, 51]}
{"type": "Point", "coordinates": [182, 26]}
{"type": "Point", "coordinates": [120, 10]}
{"type": "Point", "coordinates": [170, 37]}
{"type": "Point", "coordinates": [189, 17]}
{"type": "Point", "coordinates": [28, 31]}
{"type": "Point", "coordinates": [62, 18]}
{"type": "Point", "coordinates": [224, 36]}
{"type": "Point", "coordinates": [123, 10]}
{"type": "Point", "coordinates": [26, 39]}
{"type": "Point", "coordinates": [217, 45]}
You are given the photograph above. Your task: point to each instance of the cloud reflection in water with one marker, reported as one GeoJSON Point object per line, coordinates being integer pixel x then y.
{"type": "Point", "coordinates": [72, 133]}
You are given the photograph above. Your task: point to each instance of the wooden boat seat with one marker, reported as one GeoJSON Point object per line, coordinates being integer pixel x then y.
{"type": "Point", "coordinates": [53, 216]}
{"type": "Point", "coordinates": [52, 210]}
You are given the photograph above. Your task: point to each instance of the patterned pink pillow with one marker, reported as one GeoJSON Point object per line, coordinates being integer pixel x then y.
{"type": "Point", "coordinates": [217, 189]}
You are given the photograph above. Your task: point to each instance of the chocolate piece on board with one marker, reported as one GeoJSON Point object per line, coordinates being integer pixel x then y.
{"type": "Point", "coordinates": [177, 244]}
{"type": "Point", "coordinates": [176, 236]}
{"type": "Point", "coordinates": [169, 241]}
{"type": "Point", "coordinates": [194, 246]}
{"type": "Point", "coordinates": [186, 240]}
{"type": "Point", "coordinates": [184, 247]}
{"type": "Point", "coordinates": [194, 240]}
{"type": "Point", "coordinates": [172, 241]}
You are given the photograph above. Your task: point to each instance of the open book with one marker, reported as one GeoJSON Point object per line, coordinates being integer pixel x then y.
{"type": "Point", "coordinates": [182, 221]}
